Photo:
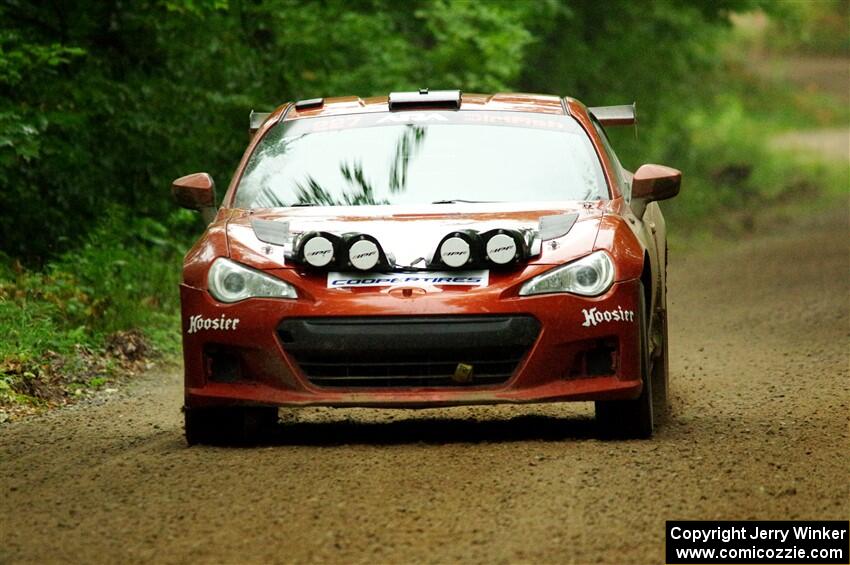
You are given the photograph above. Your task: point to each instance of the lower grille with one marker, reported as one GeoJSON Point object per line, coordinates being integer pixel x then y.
{"type": "Point", "coordinates": [404, 352]}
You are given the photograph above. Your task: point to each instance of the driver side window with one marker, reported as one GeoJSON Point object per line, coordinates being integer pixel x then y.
{"type": "Point", "coordinates": [619, 172]}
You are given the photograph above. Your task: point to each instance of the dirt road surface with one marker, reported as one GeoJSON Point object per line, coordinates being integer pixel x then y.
{"type": "Point", "coordinates": [759, 430]}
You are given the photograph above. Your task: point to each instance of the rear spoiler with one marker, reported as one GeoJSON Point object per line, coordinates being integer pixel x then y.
{"type": "Point", "coordinates": [615, 115]}
{"type": "Point", "coordinates": [255, 120]}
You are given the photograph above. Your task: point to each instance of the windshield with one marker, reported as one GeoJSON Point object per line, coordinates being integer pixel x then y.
{"type": "Point", "coordinates": [420, 158]}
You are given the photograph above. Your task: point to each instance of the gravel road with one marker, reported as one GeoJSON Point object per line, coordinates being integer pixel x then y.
{"type": "Point", "coordinates": [760, 390]}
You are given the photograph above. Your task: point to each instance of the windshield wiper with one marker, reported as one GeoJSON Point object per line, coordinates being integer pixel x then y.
{"type": "Point", "coordinates": [303, 204]}
{"type": "Point", "coordinates": [461, 201]}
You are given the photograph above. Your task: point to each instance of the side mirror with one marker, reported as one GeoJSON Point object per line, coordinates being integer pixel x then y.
{"type": "Point", "coordinates": [196, 192]}
{"type": "Point", "coordinates": [655, 182]}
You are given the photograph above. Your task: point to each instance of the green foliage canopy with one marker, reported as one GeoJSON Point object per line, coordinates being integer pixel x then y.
{"type": "Point", "coordinates": [104, 103]}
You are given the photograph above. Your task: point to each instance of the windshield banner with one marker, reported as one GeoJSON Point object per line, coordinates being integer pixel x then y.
{"type": "Point", "coordinates": [417, 279]}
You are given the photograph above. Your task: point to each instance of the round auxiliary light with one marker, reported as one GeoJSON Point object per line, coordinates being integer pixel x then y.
{"type": "Point", "coordinates": [318, 251]}
{"type": "Point", "coordinates": [364, 254]}
{"type": "Point", "coordinates": [501, 249]}
{"type": "Point", "coordinates": [455, 252]}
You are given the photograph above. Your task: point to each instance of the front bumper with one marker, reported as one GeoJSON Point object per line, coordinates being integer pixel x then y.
{"type": "Point", "coordinates": [565, 347]}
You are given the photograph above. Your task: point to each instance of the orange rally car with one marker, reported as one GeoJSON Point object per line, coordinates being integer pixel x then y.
{"type": "Point", "coordinates": [426, 249]}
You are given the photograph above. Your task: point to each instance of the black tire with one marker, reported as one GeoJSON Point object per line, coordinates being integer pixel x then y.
{"type": "Point", "coordinates": [660, 372]}
{"type": "Point", "coordinates": [228, 425]}
{"type": "Point", "coordinates": [631, 418]}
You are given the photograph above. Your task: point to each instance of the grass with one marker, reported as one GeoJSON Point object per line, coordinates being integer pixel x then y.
{"type": "Point", "coordinates": [62, 324]}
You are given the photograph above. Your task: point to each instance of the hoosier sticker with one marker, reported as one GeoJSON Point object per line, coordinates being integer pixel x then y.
{"type": "Point", "coordinates": [594, 317]}
{"type": "Point", "coordinates": [198, 323]}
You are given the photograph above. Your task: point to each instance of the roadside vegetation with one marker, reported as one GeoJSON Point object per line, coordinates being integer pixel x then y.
{"type": "Point", "coordinates": [103, 104]}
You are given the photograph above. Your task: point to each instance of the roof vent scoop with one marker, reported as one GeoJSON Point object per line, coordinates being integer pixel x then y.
{"type": "Point", "coordinates": [309, 103]}
{"type": "Point", "coordinates": [424, 98]}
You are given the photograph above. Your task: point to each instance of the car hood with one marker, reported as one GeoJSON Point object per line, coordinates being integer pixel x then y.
{"type": "Point", "coordinates": [409, 233]}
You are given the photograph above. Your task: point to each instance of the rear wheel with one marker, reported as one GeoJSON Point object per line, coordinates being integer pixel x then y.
{"type": "Point", "coordinates": [228, 425]}
{"type": "Point", "coordinates": [631, 418]}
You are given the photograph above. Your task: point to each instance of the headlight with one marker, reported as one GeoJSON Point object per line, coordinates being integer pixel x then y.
{"type": "Point", "coordinates": [588, 276]}
{"type": "Point", "coordinates": [231, 282]}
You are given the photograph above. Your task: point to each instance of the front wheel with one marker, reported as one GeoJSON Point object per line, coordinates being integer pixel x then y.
{"type": "Point", "coordinates": [631, 418]}
{"type": "Point", "coordinates": [227, 425]}
{"type": "Point", "coordinates": [660, 371]}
